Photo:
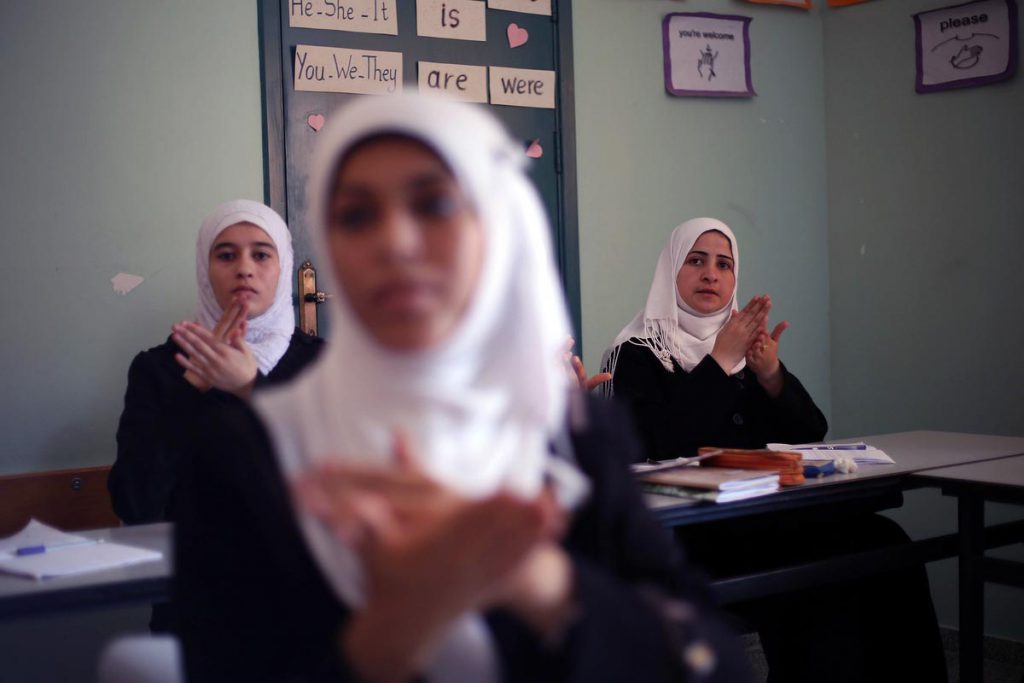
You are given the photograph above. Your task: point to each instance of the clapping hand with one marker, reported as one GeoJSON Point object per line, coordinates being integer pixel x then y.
{"type": "Point", "coordinates": [430, 555]}
{"type": "Point", "coordinates": [740, 332]}
{"type": "Point", "coordinates": [220, 358]}
{"type": "Point", "coordinates": [763, 359]}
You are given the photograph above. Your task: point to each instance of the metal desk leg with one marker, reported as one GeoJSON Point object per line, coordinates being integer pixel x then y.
{"type": "Point", "coordinates": [971, 513]}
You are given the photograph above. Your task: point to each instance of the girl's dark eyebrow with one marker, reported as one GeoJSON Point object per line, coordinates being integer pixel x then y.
{"type": "Point", "coordinates": [426, 179]}
{"type": "Point", "coordinates": [704, 253]}
{"type": "Point", "coordinates": [232, 245]}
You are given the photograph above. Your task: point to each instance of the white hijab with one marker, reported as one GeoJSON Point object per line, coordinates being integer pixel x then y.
{"type": "Point", "coordinates": [480, 408]}
{"type": "Point", "coordinates": [667, 325]}
{"type": "Point", "coordinates": [269, 333]}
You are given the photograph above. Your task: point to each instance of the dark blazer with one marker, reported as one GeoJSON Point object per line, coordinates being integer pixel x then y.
{"type": "Point", "coordinates": [678, 412]}
{"type": "Point", "coordinates": [155, 432]}
{"type": "Point", "coordinates": [253, 604]}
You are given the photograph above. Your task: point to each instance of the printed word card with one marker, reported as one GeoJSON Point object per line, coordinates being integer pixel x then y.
{"type": "Point", "coordinates": [970, 44]}
{"type": "Point", "coordinates": [707, 55]}
{"type": "Point", "coordinates": [338, 69]}
{"type": "Point", "coordinates": [360, 16]}
{"type": "Point", "coordinates": [523, 87]}
{"type": "Point", "coordinates": [457, 81]}
{"type": "Point", "coordinates": [456, 19]}
{"type": "Point", "coordinates": [527, 6]}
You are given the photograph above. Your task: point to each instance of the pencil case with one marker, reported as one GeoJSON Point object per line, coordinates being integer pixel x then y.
{"type": "Point", "coordinates": [786, 463]}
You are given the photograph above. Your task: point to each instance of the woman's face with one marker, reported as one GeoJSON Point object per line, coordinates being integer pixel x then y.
{"type": "Point", "coordinates": [706, 280]}
{"type": "Point", "coordinates": [244, 266]}
{"type": "Point", "coordinates": [405, 243]}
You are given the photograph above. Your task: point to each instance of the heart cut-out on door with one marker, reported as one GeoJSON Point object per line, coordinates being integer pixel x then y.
{"type": "Point", "coordinates": [517, 36]}
{"type": "Point", "coordinates": [315, 121]}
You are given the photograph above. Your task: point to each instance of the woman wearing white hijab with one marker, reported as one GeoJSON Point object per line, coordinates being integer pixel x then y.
{"type": "Point", "coordinates": [695, 370]}
{"type": "Point", "coordinates": [397, 513]}
{"type": "Point", "coordinates": [243, 336]}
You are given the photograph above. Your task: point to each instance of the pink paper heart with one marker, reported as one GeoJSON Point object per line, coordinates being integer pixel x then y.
{"type": "Point", "coordinates": [517, 36]}
{"type": "Point", "coordinates": [315, 121]}
{"type": "Point", "coordinates": [535, 151]}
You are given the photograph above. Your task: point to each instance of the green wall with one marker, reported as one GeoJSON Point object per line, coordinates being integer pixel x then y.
{"type": "Point", "coordinates": [925, 208]}
{"type": "Point", "coordinates": [649, 161]}
{"type": "Point", "coordinates": [925, 217]}
{"type": "Point", "coordinates": [123, 123]}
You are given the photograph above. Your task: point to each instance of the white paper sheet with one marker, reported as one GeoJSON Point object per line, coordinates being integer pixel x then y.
{"type": "Point", "coordinates": [77, 559]}
{"type": "Point", "coordinates": [65, 554]}
{"type": "Point", "coordinates": [36, 534]}
{"type": "Point", "coordinates": [860, 452]}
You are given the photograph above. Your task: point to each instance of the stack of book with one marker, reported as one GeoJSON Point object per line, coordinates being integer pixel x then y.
{"type": "Point", "coordinates": [715, 484]}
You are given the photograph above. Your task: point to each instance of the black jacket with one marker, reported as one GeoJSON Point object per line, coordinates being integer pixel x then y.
{"type": "Point", "coordinates": [879, 628]}
{"type": "Point", "coordinates": [678, 412]}
{"type": "Point", "coordinates": [253, 604]}
{"type": "Point", "coordinates": [157, 427]}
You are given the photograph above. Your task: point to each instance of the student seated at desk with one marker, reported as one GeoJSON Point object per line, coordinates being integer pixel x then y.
{"type": "Point", "coordinates": [696, 371]}
{"type": "Point", "coordinates": [397, 513]}
{"type": "Point", "coordinates": [244, 336]}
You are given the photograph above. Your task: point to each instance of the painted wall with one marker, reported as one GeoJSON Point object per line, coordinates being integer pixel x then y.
{"type": "Point", "coordinates": [649, 161]}
{"type": "Point", "coordinates": [925, 215]}
{"type": "Point", "coordinates": [925, 209]}
{"type": "Point", "coordinates": [123, 123]}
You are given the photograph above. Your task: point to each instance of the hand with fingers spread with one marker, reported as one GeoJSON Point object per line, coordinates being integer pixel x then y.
{"type": "Point", "coordinates": [429, 554]}
{"type": "Point", "coordinates": [763, 359]}
{"type": "Point", "coordinates": [578, 373]}
{"type": "Point", "coordinates": [225, 362]}
{"type": "Point", "coordinates": [741, 331]}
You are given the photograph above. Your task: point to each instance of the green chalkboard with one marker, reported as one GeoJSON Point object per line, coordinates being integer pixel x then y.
{"type": "Point", "coordinates": [289, 138]}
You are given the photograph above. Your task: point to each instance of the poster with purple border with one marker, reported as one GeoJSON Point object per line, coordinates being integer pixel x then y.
{"type": "Point", "coordinates": [966, 45]}
{"type": "Point", "coordinates": [707, 55]}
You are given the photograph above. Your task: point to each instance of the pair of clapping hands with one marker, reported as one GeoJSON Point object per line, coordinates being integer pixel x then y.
{"type": "Point", "coordinates": [745, 336]}
{"type": "Point", "coordinates": [218, 358]}
{"type": "Point", "coordinates": [430, 555]}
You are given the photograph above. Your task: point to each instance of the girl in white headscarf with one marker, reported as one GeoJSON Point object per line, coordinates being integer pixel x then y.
{"type": "Point", "coordinates": [696, 370]}
{"type": "Point", "coordinates": [243, 336]}
{"type": "Point", "coordinates": [398, 512]}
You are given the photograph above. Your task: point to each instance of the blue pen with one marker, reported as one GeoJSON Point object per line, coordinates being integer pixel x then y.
{"type": "Point", "coordinates": [30, 550]}
{"type": "Point", "coordinates": [836, 447]}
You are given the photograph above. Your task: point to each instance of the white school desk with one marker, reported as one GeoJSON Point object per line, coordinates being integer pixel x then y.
{"type": "Point", "coordinates": [139, 583]}
{"type": "Point", "coordinates": [974, 467]}
{"type": "Point", "coordinates": [913, 452]}
{"type": "Point", "coordinates": [973, 485]}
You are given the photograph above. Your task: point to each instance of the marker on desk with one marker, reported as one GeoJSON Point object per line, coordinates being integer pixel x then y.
{"type": "Point", "coordinates": [30, 550]}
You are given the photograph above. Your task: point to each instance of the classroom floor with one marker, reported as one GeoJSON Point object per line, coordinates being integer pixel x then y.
{"type": "Point", "coordinates": [1004, 659]}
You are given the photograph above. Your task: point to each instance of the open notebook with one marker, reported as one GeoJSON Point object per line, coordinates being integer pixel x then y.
{"type": "Point", "coordinates": [39, 551]}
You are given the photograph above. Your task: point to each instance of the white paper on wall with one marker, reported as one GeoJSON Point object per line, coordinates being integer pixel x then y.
{"type": "Point", "coordinates": [970, 44]}
{"type": "Point", "coordinates": [455, 19]}
{"type": "Point", "coordinates": [457, 81]}
{"type": "Point", "coordinates": [337, 69]}
{"type": "Point", "coordinates": [359, 16]}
